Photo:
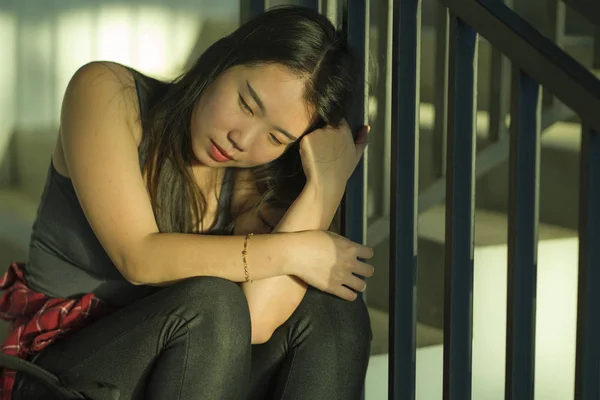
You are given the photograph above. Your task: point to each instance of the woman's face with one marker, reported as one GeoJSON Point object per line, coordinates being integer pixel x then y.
{"type": "Point", "coordinates": [249, 116]}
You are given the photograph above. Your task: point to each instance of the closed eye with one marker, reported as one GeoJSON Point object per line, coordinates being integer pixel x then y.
{"type": "Point", "coordinates": [245, 105]}
{"type": "Point", "coordinates": [274, 139]}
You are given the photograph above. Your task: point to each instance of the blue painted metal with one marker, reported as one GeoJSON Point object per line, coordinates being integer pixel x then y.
{"type": "Point", "coordinates": [403, 219]}
{"type": "Point", "coordinates": [458, 313]}
{"type": "Point", "coordinates": [314, 4]}
{"type": "Point", "coordinates": [530, 50]}
{"type": "Point", "coordinates": [353, 205]}
{"type": "Point", "coordinates": [523, 219]}
{"type": "Point", "coordinates": [587, 386]}
{"type": "Point", "coordinates": [440, 101]}
{"type": "Point", "coordinates": [251, 8]}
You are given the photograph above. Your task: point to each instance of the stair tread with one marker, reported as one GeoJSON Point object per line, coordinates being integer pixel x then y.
{"type": "Point", "coordinates": [426, 335]}
{"type": "Point", "coordinates": [491, 227]}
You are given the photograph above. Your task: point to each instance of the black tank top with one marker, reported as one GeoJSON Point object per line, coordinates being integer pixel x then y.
{"type": "Point", "coordinates": [65, 257]}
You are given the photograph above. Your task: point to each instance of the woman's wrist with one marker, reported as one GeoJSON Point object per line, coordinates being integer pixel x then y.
{"type": "Point", "coordinates": [324, 189]}
{"type": "Point", "coordinates": [313, 210]}
{"type": "Point", "coordinates": [293, 247]}
{"type": "Point", "coordinates": [326, 198]}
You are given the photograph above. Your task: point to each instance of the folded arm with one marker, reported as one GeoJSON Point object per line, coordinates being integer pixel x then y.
{"type": "Point", "coordinates": [272, 301]}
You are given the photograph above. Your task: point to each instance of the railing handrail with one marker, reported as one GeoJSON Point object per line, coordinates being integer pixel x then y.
{"type": "Point", "coordinates": [533, 53]}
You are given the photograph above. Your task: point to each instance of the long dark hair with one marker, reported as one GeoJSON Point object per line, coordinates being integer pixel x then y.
{"type": "Point", "coordinates": [298, 38]}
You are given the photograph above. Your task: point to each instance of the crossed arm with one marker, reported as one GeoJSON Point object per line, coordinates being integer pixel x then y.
{"type": "Point", "coordinates": [272, 301]}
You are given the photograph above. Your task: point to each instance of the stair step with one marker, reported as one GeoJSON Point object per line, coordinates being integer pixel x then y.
{"type": "Point", "coordinates": [491, 227]}
{"type": "Point", "coordinates": [426, 335]}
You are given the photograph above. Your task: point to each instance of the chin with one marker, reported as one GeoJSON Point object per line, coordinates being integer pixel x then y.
{"type": "Point", "coordinates": [200, 157]}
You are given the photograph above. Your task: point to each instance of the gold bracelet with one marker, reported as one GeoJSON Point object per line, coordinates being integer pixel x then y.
{"type": "Point", "coordinates": [245, 257]}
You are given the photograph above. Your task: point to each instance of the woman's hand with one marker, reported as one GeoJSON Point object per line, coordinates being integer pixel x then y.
{"type": "Point", "coordinates": [328, 261]}
{"type": "Point", "coordinates": [330, 155]}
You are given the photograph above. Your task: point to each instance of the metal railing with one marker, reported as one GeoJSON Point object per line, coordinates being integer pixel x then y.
{"type": "Point", "coordinates": [535, 61]}
{"type": "Point", "coordinates": [353, 211]}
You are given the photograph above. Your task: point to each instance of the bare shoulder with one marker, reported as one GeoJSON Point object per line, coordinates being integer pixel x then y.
{"type": "Point", "coordinates": [103, 92]}
{"type": "Point", "coordinates": [105, 84]}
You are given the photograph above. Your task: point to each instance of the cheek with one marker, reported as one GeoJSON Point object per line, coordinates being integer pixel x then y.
{"type": "Point", "coordinates": [214, 119]}
{"type": "Point", "coordinates": [196, 127]}
{"type": "Point", "coordinates": [265, 153]}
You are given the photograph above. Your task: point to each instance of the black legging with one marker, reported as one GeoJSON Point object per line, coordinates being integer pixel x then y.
{"type": "Point", "coordinates": [192, 341]}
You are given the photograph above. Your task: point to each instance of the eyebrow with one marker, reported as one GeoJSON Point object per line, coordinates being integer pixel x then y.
{"type": "Point", "coordinates": [264, 111]}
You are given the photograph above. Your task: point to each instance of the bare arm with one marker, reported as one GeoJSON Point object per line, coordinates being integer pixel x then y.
{"type": "Point", "coordinates": [97, 149]}
{"type": "Point", "coordinates": [272, 301]}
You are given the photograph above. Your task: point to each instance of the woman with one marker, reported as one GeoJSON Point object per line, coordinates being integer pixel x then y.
{"type": "Point", "coordinates": [181, 248]}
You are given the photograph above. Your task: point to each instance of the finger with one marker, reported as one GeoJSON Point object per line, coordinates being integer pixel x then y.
{"type": "Point", "coordinates": [364, 269]}
{"type": "Point", "coordinates": [355, 283]}
{"type": "Point", "coordinates": [344, 293]}
{"type": "Point", "coordinates": [364, 252]}
{"type": "Point", "coordinates": [362, 134]}
{"type": "Point", "coordinates": [362, 141]}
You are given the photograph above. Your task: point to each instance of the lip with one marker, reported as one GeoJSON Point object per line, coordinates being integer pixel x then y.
{"type": "Point", "coordinates": [219, 154]}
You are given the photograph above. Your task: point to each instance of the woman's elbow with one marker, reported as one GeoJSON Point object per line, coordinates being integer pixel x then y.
{"type": "Point", "coordinates": [261, 330]}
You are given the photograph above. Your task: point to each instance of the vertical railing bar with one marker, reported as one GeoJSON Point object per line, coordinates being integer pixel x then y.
{"type": "Point", "coordinates": [523, 216]}
{"type": "Point", "coordinates": [554, 29]}
{"type": "Point", "coordinates": [250, 9]}
{"type": "Point", "coordinates": [403, 218]}
{"type": "Point", "coordinates": [587, 354]}
{"type": "Point", "coordinates": [588, 312]}
{"type": "Point", "coordinates": [440, 131]}
{"type": "Point", "coordinates": [458, 292]}
{"type": "Point", "coordinates": [499, 93]}
{"type": "Point", "coordinates": [313, 4]}
{"type": "Point", "coordinates": [596, 60]}
{"type": "Point", "coordinates": [389, 78]}
{"type": "Point", "coordinates": [354, 211]}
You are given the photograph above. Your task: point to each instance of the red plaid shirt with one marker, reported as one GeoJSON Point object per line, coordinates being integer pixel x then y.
{"type": "Point", "coordinates": [36, 320]}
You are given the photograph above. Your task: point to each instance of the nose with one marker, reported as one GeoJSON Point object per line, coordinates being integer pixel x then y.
{"type": "Point", "coordinates": [234, 138]}
{"type": "Point", "coordinates": [241, 140]}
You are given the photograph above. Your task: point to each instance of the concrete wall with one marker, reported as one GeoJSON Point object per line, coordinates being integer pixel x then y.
{"type": "Point", "coordinates": [43, 43]}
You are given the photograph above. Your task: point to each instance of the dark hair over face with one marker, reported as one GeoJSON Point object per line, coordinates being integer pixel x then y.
{"type": "Point", "coordinates": [304, 42]}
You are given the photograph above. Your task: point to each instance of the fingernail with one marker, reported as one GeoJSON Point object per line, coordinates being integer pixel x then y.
{"type": "Point", "coordinates": [365, 288]}
{"type": "Point", "coordinates": [368, 128]}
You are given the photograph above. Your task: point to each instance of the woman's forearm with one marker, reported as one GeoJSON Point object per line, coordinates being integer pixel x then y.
{"type": "Point", "coordinates": [165, 258]}
{"type": "Point", "coordinates": [272, 301]}
{"type": "Point", "coordinates": [314, 209]}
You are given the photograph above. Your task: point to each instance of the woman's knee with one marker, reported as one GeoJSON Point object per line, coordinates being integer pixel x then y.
{"type": "Point", "coordinates": [355, 322]}
{"type": "Point", "coordinates": [213, 305]}
{"type": "Point", "coordinates": [348, 321]}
